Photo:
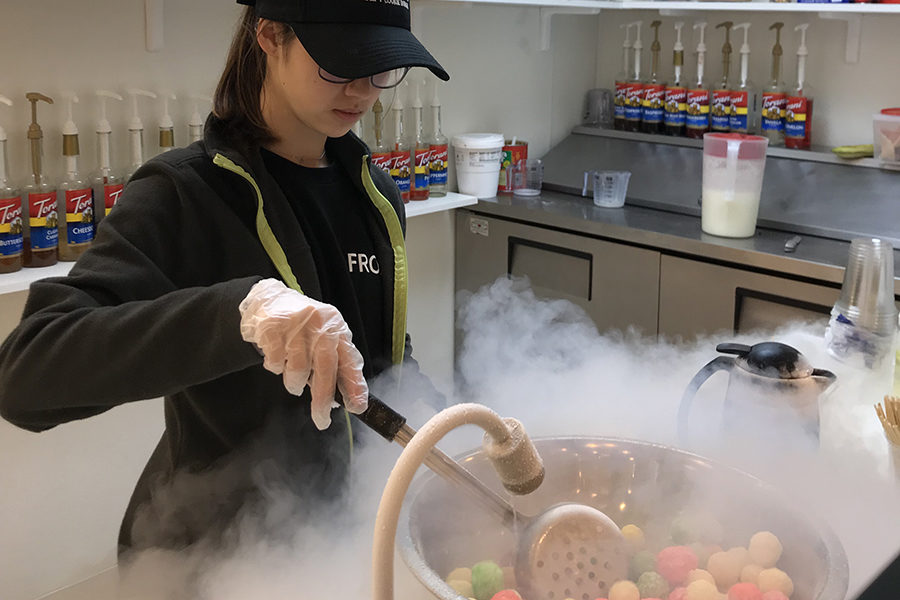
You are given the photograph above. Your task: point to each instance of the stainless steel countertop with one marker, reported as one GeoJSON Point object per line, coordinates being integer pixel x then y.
{"type": "Point", "coordinates": [815, 258]}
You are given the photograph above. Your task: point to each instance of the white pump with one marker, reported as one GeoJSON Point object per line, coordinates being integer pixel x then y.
{"type": "Point", "coordinates": [638, 47]}
{"type": "Point", "coordinates": [70, 136]}
{"type": "Point", "coordinates": [104, 130]}
{"type": "Point", "coordinates": [802, 53]}
{"type": "Point", "coordinates": [136, 129]}
{"type": "Point", "coordinates": [397, 109]}
{"type": "Point", "coordinates": [626, 46]}
{"type": "Point", "coordinates": [69, 127]}
{"type": "Point", "coordinates": [3, 174]}
{"type": "Point", "coordinates": [745, 53]}
{"type": "Point", "coordinates": [701, 51]}
{"type": "Point", "coordinates": [166, 126]}
{"type": "Point", "coordinates": [678, 50]}
{"type": "Point", "coordinates": [195, 124]}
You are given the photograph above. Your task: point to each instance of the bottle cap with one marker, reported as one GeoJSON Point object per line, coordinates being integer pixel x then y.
{"type": "Point", "coordinates": [679, 47]}
{"type": "Point", "coordinates": [136, 124]}
{"type": "Point", "coordinates": [69, 129]}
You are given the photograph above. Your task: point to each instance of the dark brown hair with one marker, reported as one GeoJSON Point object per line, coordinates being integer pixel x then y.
{"type": "Point", "coordinates": [236, 100]}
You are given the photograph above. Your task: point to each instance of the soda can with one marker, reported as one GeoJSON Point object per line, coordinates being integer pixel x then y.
{"type": "Point", "coordinates": [510, 155]}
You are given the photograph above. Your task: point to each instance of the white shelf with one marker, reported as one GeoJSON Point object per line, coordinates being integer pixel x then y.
{"type": "Point", "coordinates": [415, 208]}
{"type": "Point", "coordinates": [852, 8]}
{"type": "Point", "coordinates": [20, 280]}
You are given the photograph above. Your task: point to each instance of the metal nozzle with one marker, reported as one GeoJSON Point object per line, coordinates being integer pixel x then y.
{"type": "Point", "coordinates": [515, 459]}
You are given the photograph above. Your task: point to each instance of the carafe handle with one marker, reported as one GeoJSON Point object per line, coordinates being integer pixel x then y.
{"type": "Point", "coordinates": [720, 363]}
{"type": "Point", "coordinates": [587, 176]}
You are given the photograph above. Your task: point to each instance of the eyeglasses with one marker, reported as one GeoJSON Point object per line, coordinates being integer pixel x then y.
{"type": "Point", "coordinates": [384, 80]}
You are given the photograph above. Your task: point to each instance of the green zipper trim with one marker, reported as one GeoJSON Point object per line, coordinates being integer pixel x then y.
{"type": "Point", "coordinates": [274, 250]}
{"type": "Point", "coordinates": [263, 230]}
{"type": "Point", "coordinates": [395, 233]}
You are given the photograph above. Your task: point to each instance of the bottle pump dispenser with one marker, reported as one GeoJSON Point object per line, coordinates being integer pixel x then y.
{"type": "Point", "coordinates": [437, 176]}
{"type": "Point", "coordinates": [420, 151]}
{"type": "Point", "coordinates": [381, 152]}
{"type": "Point", "coordinates": [697, 118]}
{"type": "Point", "coordinates": [744, 97]}
{"type": "Point", "coordinates": [166, 126]}
{"type": "Point", "coordinates": [107, 184]}
{"type": "Point", "coordinates": [774, 98]}
{"type": "Point", "coordinates": [721, 94]}
{"type": "Point", "coordinates": [75, 205]}
{"type": "Point", "coordinates": [654, 90]}
{"type": "Point", "coordinates": [798, 111]}
{"type": "Point", "coordinates": [196, 122]}
{"type": "Point", "coordinates": [136, 131]}
{"type": "Point", "coordinates": [621, 81]}
{"type": "Point", "coordinates": [40, 232]}
{"type": "Point", "coordinates": [676, 92]}
{"type": "Point", "coordinates": [400, 159]}
{"type": "Point", "coordinates": [10, 211]}
{"type": "Point", "coordinates": [634, 93]}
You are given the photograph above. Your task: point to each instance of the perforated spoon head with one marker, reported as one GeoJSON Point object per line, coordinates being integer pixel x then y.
{"type": "Point", "coordinates": [570, 551]}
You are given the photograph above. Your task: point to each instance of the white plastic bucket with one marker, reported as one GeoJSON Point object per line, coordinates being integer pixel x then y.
{"type": "Point", "coordinates": [478, 157]}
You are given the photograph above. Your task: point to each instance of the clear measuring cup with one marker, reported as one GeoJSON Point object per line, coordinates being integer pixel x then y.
{"type": "Point", "coordinates": [609, 187]}
{"type": "Point", "coordinates": [733, 166]}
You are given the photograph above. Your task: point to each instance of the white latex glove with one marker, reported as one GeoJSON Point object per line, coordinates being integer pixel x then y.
{"type": "Point", "coordinates": [309, 342]}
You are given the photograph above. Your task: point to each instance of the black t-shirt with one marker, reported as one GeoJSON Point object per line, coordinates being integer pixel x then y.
{"type": "Point", "coordinates": [330, 211]}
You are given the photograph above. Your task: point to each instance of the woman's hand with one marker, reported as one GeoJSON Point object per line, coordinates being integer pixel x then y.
{"type": "Point", "coordinates": [309, 343]}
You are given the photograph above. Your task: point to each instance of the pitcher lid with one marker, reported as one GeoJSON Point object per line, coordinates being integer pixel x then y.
{"type": "Point", "coordinates": [770, 359]}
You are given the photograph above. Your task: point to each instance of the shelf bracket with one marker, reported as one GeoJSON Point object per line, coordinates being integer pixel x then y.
{"type": "Point", "coordinates": [547, 15]}
{"type": "Point", "coordinates": [854, 33]}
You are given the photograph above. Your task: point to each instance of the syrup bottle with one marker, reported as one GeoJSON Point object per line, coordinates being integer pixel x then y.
{"type": "Point", "coordinates": [420, 153]}
{"type": "Point", "coordinates": [75, 199]}
{"type": "Point", "coordinates": [676, 92]}
{"type": "Point", "coordinates": [698, 97]}
{"type": "Point", "coordinates": [654, 90]}
{"type": "Point", "coordinates": [437, 178]}
{"type": "Point", "coordinates": [381, 153]}
{"type": "Point", "coordinates": [798, 111]}
{"type": "Point", "coordinates": [40, 229]}
{"type": "Point", "coordinates": [11, 218]}
{"type": "Point", "coordinates": [634, 91]}
{"type": "Point", "coordinates": [621, 82]}
{"type": "Point", "coordinates": [744, 97]}
{"type": "Point", "coordinates": [106, 183]}
{"type": "Point", "coordinates": [400, 158]}
{"type": "Point", "coordinates": [774, 97]}
{"type": "Point", "coordinates": [720, 108]}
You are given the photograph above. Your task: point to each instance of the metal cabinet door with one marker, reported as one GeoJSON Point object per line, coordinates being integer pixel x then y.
{"type": "Point", "coordinates": [698, 298]}
{"type": "Point", "coordinates": [617, 285]}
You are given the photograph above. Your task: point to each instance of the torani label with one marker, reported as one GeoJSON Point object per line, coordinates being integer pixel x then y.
{"type": "Point", "coordinates": [797, 122]}
{"type": "Point", "coordinates": [634, 100]}
{"type": "Point", "coordinates": [739, 118]}
{"type": "Point", "coordinates": [773, 104]}
{"type": "Point", "coordinates": [619, 100]}
{"type": "Point", "coordinates": [43, 220]}
{"type": "Point", "coordinates": [697, 116]}
{"type": "Point", "coordinates": [421, 160]}
{"type": "Point", "coordinates": [111, 193]}
{"type": "Point", "coordinates": [720, 110]}
{"type": "Point", "coordinates": [438, 171]}
{"type": "Point", "coordinates": [653, 103]}
{"type": "Point", "coordinates": [676, 106]}
{"type": "Point", "coordinates": [400, 171]}
{"type": "Point", "coordinates": [79, 216]}
{"type": "Point", "coordinates": [11, 227]}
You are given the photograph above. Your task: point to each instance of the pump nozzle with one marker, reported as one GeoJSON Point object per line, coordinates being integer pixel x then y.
{"type": "Point", "coordinates": [802, 51]}
{"type": "Point", "coordinates": [70, 130]}
{"type": "Point", "coordinates": [417, 100]}
{"type": "Point", "coordinates": [745, 47]}
{"type": "Point", "coordinates": [679, 47]}
{"type": "Point", "coordinates": [166, 126]}
{"type": "Point", "coordinates": [701, 25]}
{"type": "Point", "coordinates": [103, 125]}
{"type": "Point", "coordinates": [136, 124]}
{"type": "Point", "coordinates": [626, 45]}
{"type": "Point", "coordinates": [637, 45]}
{"type": "Point", "coordinates": [8, 102]}
{"type": "Point", "coordinates": [34, 132]}
{"type": "Point", "coordinates": [195, 124]}
{"type": "Point", "coordinates": [655, 46]}
{"type": "Point", "coordinates": [776, 52]}
{"type": "Point", "coordinates": [726, 47]}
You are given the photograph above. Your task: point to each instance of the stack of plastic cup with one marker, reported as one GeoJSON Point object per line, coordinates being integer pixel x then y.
{"type": "Point", "coordinates": [863, 321]}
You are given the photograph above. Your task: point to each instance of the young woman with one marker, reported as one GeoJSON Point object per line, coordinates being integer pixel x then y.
{"type": "Point", "coordinates": [231, 273]}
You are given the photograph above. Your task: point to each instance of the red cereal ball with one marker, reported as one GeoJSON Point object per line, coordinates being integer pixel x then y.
{"type": "Point", "coordinates": [774, 595]}
{"type": "Point", "coordinates": [679, 593]}
{"type": "Point", "coordinates": [675, 562]}
{"type": "Point", "coordinates": [744, 591]}
{"type": "Point", "coordinates": [506, 595]}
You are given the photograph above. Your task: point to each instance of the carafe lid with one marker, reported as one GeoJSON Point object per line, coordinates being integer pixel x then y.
{"type": "Point", "coordinates": [751, 147]}
{"type": "Point", "coordinates": [770, 359]}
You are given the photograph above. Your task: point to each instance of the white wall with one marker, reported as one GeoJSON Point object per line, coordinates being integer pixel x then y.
{"type": "Point", "coordinates": [62, 492]}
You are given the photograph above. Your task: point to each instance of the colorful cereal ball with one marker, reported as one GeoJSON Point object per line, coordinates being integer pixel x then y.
{"type": "Point", "coordinates": [740, 555]}
{"type": "Point", "coordinates": [624, 590]}
{"type": "Point", "coordinates": [675, 562]}
{"type": "Point", "coordinates": [652, 585]}
{"type": "Point", "coordinates": [641, 562]}
{"type": "Point", "coordinates": [775, 580]}
{"type": "Point", "coordinates": [774, 595]}
{"type": "Point", "coordinates": [487, 579]}
{"type": "Point", "coordinates": [703, 552]}
{"type": "Point", "coordinates": [698, 574]}
{"type": "Point", "coordinates": [461, 587]}
{"type": "Point", "coordinates": [744, 591]}
{"type": "Point", "coordinates": [725, 568]}
{"type": "Point", "coordinates": [460, 574]}
{"type": "Point", "coordinates": [701, 590]}
{"type": "Point", "coordinates": [679, 593]}
{"type": "Point", "coordinates": [750, 574]}
{"type": "Point", "coordinates": [507, 595]}
{"type": "Point", "coordinates": [765, 549]}
{"type": "Point", "coordinates": [633, 535]}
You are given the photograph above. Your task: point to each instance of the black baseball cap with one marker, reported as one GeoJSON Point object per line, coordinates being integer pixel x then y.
{"type": "Point", "coordinates": [352, 38]}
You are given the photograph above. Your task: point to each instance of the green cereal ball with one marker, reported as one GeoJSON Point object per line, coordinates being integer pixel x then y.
{"type": "Point", "coordinates": [652, 585]}
{"type": "Point", "coordinates": [487, 579]}
{"type": "Point", "coordinates": [641, 562]}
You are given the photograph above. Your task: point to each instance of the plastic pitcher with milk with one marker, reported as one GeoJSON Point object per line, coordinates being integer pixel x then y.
{"type": "Point", "coordinates": [733, 166]}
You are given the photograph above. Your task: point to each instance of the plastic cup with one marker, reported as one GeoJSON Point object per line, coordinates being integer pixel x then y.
{"type": "Point", "coordinates": [609, 187]}
{"type": "Point", "coordinates": [864, 318]}
{"type": "Point", "coordinates": [528, 177]}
